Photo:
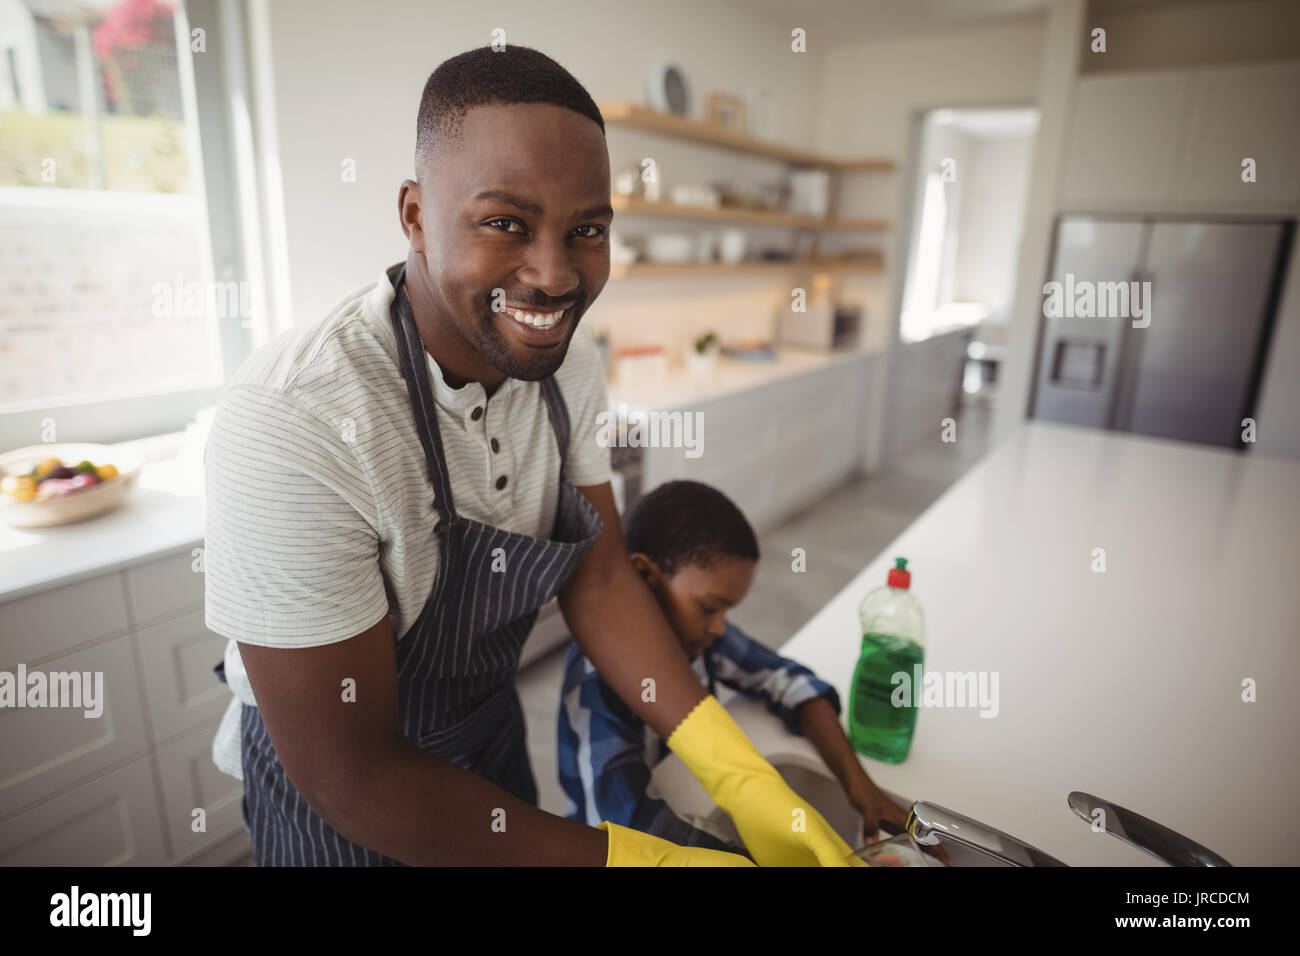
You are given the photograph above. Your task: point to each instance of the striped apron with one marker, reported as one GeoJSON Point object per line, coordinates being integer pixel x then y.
{"type": "Point", "coordinates": [456, 665]}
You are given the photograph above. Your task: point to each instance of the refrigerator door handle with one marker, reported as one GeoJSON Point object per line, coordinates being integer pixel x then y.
{"type": "Point", "coordinates": [1128, 360]}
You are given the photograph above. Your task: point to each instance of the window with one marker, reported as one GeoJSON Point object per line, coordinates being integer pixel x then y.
{"type": "Point", "coordinates": [114, 323]}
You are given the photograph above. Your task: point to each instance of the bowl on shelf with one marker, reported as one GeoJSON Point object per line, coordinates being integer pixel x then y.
{"type": "Point", "coordinates": [80, 505]}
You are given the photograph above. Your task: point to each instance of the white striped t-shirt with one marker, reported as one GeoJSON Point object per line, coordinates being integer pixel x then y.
{"type": "Point", "coordinates": [319, 505]}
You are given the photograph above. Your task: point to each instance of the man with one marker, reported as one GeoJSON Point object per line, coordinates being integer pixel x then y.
{"type": "Point", "coordinates": [392, 494]}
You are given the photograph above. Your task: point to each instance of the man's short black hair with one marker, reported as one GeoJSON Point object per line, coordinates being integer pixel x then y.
{"type": "Point", "coordinates": [516, 74]}
{"type": "Point", "coordinates": [685, 522]}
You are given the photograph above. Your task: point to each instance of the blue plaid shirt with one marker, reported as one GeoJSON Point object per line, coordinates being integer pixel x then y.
{"type": "Point", "coordinates": [606, 752]}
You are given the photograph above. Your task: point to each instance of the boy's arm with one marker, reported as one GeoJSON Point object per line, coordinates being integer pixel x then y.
{"type": "Point", "coordinates": [743, 664]}
{"type": "Point", "coordinates": [821, 725]}
{"type": "Point", "coordinates": [808, 706]}
{"type": "Point", "coordinates": [616, 789]}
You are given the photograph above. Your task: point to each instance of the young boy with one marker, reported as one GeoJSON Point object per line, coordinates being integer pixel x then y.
{"type": "Point", "coordinates": [697, 553]}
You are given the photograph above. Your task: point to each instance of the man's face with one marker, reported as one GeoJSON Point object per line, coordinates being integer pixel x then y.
{"type": "Point", "coordinates": [519, 204]}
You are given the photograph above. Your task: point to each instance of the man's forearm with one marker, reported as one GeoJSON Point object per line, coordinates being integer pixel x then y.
{"type": "Point", "coordinates": [425, 811]}
{"type": "Point", "coordinates": [819, 724]}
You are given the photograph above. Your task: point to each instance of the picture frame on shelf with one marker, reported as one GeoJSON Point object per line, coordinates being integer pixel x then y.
{"type": "Point", "coordinates": [727, 112]}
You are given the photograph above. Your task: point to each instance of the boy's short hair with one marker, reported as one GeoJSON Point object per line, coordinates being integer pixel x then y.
{"type": "Point", "coordinates": [686, 522]}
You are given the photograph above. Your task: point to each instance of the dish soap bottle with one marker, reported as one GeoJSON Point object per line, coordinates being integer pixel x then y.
{"type": "Point", "coordinates": [893, 640]}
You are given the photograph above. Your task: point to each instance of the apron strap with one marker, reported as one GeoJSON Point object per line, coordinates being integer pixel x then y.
{"type": "Point", "coordinates": [420, 388]}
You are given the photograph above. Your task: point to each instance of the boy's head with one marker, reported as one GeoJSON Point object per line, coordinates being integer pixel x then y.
{"type": "Point", "coordinates": [697, 553]}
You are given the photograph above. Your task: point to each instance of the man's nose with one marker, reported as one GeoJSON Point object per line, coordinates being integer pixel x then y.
{"type": "Point", "coordinates": [549, 267]}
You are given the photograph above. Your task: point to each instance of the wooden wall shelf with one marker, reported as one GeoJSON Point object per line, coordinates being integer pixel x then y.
{"type": "Point", "coordinates": [638, 206]}
{"type": "Point", "coordinates": [631, 116]}
{"type": "Point", "coordinates": [722, 269]}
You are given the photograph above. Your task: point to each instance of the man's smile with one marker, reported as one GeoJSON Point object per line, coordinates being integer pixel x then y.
{"type": "Point", "coordinates": [542, 328]}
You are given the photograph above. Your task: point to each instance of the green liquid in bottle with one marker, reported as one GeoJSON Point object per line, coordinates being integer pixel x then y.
{"type": "Point", "coordinates": [876, 727]}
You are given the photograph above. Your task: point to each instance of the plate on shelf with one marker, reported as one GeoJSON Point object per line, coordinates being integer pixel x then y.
{"type": "Point", "coordinates": [81, 505]}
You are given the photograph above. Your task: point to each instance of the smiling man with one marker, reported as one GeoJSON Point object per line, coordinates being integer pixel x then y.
{"type": "Point", "coordinates": [394, 491]}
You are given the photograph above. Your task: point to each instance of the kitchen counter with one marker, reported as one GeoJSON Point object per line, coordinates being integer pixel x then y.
{"type": "Point", "coordinates": [680, 388]}
{"type": "Point", "coordinates": [1125, 684]}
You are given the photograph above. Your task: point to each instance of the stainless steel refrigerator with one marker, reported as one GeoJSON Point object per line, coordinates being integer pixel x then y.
{"type": "Point", "coordinates": [1187, 363]}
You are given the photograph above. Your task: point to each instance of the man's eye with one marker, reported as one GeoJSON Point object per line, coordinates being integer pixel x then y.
{"type": "Point", "coordinates": [508, 222]}
{"type": "Point", "coordinates": [600, 231]}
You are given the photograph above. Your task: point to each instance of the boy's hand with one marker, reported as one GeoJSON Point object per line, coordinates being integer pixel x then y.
{"type": "Point", "coordinates": [881, 813]}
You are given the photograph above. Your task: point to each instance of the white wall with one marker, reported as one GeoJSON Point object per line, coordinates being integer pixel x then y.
{"type": "Point", "coordinates": [348, 79]}
{"type": "Point", "coordinates": [872, 96]}
{"type": "Point", "coordinates": [992, 214]}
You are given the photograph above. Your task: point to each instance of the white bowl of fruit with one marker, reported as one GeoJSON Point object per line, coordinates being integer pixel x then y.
{"type": "Point", "coordinates": [46, 485]}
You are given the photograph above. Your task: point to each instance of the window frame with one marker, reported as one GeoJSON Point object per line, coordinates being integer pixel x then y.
{"type": "Point", "coordinates": [230, 132]}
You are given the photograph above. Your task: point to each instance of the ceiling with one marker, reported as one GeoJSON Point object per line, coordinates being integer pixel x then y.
{"type": "Point", "coordinates": [861, 20]}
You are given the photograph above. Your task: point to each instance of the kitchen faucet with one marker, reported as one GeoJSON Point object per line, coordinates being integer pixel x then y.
{"type": "Point", "coordinates": [1164, 844]}
{"type": "Point", "coordinates": [927, 822]}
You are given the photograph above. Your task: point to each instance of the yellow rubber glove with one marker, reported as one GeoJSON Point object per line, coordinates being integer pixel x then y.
{"type": "Point", "coordinates": [634, 848]}
{"type": "Point", "coordinates": [758, 800]}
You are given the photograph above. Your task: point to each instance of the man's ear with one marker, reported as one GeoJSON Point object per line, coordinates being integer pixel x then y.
{"type": "Point", "coordinates": [648, 570]}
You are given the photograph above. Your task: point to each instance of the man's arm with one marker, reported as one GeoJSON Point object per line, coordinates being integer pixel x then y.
{"type": "Point", "coordinates": [619, 626]}
{"type": "Point", "coordinates": [359, 772]}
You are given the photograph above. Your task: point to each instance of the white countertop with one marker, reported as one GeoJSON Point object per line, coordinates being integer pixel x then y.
{"type": "Point", "coordinates": [1124, 684]}
{"type": "Point", "coordinates": [163, 514]}
{"type": "Point", "coordinates": [679, 388]}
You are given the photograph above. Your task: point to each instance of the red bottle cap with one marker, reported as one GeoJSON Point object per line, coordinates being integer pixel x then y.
{"type": "Point", "coordinates": [899, 576]}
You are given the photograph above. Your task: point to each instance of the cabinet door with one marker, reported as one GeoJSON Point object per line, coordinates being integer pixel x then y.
{"type": "Point", "coordinates": [190, 781]}
{"type": "Point", "coordinates": [1240, 112]}
{"type": "Point", "coordinates": [183, 692]}
{"type": "Point", "coordinates": [49, 623]}
{"type": "Point", "coordinates": [45, 749]}
{"type": "Point", "coordinates": [1124, 138]}
{"type": "Point", "coordinates": [162, 588]}
{"type": "Point", "coordinates": [112, 820]}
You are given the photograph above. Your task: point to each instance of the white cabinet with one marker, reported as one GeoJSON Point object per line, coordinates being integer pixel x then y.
{"type": "Point", "coordinates": [85, 791]}
{"type": "Point", "coordinates": [190, 781]}
{"type": "Point", "coordinates": [46, 749]}
{"type": "Point", "coordinates": [1236, 113]}
{"type": "Point", "coordinates": [1124, 136]}
{"type": "Point", "coordinates": [111, 820]}
{"type": "Point", "coordinates": [44, 625]}
{"type": "Point", "coordinates": [776, 448]}
{"type": "Point", "coordinates": [1174, 140]}
{"type": "Point", "coordinates": [177, 656]}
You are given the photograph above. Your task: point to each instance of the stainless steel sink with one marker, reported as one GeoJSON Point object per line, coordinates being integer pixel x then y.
{"type": "Point", "coordinates": [828, 797]}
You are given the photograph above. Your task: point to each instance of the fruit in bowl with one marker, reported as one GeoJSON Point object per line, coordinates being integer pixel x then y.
{"type": "Point", "coordinates": [57, 484]}
{"type": "Point", "coordinates": [53, 479]}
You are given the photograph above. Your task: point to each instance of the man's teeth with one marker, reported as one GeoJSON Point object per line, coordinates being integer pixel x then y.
{"type": "Point", "coordinates": [538, 320]}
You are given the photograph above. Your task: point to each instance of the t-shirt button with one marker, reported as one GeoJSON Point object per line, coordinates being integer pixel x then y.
{"type": "Point", "coordinates": [477, 413]}
{"type": "Point", "coordinates": [496, 445]}
{"type": "Point", "coordinates": [501, 482]}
